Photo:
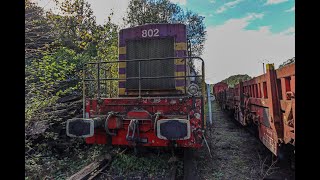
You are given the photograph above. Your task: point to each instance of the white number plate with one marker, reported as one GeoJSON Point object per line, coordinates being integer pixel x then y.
{"type": "Point", "coordinates": [150, 33]}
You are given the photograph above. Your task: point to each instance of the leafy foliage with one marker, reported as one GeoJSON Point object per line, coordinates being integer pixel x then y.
{"type": "Point", "coordinates": [141, 12]}
{"type": "Point", "coordinates": [235, 79]}
{"type": "Point", "coordinates": [152, 11]}
{"type": "Point", "coordinates": [78, 39]}
{"type": "Point", "coordinates": [57, 47]}
{"type": "Point", "coordinates": [76, 26]}
{"type": "Point", "coordinates": [37, 32]}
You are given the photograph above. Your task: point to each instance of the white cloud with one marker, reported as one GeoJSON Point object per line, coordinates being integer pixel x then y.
{"type": "Point", "coordinates": [289, 31]}
{"type": "Point", "coordinates": [227, 6]}
{"type": "Point", "coordinates": [221, 10]}
{"type": "Point", "coordinates": [182, 2]}
{"type": "Point", "coordinates": [230, 49]}
{"type": "Point", "coordinates": [253, 16]}
{"type": "Point", "coordinates": [239, 24]}
{"type": "Point", "coordinates": [212, 1]}
{"type": "Point", "coordinates": [264, 29]}
{"type": "Point", "coordinates": [269, 2]}
{"type": "Point", "coordinates": [292, 9]}
{"type": "Point", "coordinates": [101, 9]}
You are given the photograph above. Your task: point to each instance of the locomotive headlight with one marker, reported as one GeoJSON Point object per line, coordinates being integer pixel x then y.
{"type": "Point", "coordinates": [193, 89]}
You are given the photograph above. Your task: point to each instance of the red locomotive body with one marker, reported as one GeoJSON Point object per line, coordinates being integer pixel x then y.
{"type": "Point", "coordinates": [267, 104]}
{"type": "Point", "coordinates": [148, 118]}
{"type": "Point", "coordinates": [156, 98]}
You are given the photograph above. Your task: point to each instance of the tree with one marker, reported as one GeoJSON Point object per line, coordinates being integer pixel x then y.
{"type": "Point", "coordinates": [140, 12]}
{"type": "Point", "coordinates": [57, 46]}
{"type": "Point", "coordinates": [195, 31]}
{"type": "Point", "coordinates": [235, 79]}
{"type": "Point", "coordinates": [57, 69]}
{"type": "Point", "coordinates": [37, 31]}
{"type": "Point", "coordinates": [75, 26]}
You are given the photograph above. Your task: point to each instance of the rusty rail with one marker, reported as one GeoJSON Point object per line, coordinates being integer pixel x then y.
{"type": "Point", "coordinates": [92, 170]}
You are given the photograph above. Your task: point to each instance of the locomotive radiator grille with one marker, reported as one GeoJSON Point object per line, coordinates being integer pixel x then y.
{"type": "Point", "coordinates": [145, 49]}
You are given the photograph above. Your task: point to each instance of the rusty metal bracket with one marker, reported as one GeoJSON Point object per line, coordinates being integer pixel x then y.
{"type": "Point", "coordinates": [106, 123]}
{"type": "Point", "coordinates": [155, 122]}
{"type": "Point", "coordinates": [134, 127]}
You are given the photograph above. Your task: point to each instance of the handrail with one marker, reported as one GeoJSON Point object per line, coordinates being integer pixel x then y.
{"type": "Point", "coordinates": [151, 59]}
{"type": "Point", "coordinates": [99, 64]}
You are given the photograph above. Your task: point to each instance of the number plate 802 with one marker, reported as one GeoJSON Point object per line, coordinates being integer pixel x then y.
{"type": "Point", "coordinates": [150, 33]}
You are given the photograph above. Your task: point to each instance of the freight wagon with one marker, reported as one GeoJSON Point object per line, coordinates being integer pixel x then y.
{"type": "Point", "coordinates": [266, 104]}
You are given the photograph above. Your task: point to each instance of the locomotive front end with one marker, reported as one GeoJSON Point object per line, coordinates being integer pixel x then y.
{"type": "Point", "coordinates": [156, 97]}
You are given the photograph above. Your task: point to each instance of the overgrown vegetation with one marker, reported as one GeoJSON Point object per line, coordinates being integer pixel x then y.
{"type": "Point", "coordinates": [235, 79]}
{"type": "Point", "coordinates": [56, 47]}
{"type": "Point", "coordinates": [149, 164]}
{"type": "Point", "coordinates": [53, 65]}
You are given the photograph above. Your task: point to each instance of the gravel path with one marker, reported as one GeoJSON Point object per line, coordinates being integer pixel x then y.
{"type": "Point", "coordinates": [236, 154]}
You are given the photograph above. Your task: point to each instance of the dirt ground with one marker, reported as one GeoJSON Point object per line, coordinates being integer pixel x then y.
{"type": "Point", "coordinates": [236, 154]}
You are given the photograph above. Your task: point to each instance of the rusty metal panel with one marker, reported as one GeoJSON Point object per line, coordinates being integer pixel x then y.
{"type": "Point", "coordinates": [265, 117]}
{"type": "Point", "coordinates": [269, 139]}
{"type": "Point", "coordinates": [288, 70]}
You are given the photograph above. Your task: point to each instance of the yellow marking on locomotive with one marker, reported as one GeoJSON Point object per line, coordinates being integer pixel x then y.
{"type": "Point", "coordinates": [179, 62]}
{"type": "Point", "coordinates": [122, 50]}
{"type": "Point", "coordinates": [122, 91]}
{"type": "Point", "coordinates": [122, 64]}
{"type": "Point", "coordinates": [179, 74]}
{"type": "Point", "coordinates": [181, 88]}
{"type": "Point", "coordinates": [180, 46]}
{"type": "Point", "coordinates": [122, 76]}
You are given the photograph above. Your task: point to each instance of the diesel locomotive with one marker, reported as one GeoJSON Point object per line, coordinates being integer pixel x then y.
{"type": "Point", "coordinates": [157, 97]}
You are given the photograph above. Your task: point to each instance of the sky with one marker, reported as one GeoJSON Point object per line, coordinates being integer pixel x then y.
{"type": "Point", "coordinates": [241, 34]}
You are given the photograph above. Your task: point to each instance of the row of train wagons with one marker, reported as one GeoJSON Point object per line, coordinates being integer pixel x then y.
{"type": "Point", "coordinates": [265, 104]}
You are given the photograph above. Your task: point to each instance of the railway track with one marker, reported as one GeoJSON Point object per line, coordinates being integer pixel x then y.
{"type": "Point", "coordinates": [94, 170]}
{"type": "Point", "coordinates": [189, 168]}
